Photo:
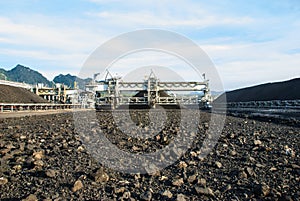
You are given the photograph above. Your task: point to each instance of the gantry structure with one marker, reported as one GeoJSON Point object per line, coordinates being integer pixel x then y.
{"type": "Point", "coordinates": [114, 92]}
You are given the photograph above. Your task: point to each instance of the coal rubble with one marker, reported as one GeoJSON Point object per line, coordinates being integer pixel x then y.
{"type": "Point", "coordinates": [43, 158]}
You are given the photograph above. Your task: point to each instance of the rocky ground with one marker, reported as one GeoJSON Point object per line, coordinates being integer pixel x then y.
{"type": "Point", "coordinates": [42, 158]}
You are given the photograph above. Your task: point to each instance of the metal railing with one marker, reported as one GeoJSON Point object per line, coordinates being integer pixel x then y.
{"type": "Point", "coordinates": [274, 104]}
{"type": "Point", "coordinates": [133, 100]}
{"type": "Point", "coordinates": [36, 106]}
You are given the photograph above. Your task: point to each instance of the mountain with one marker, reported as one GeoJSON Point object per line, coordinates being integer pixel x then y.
{"type": "Point", "coordinates": [286, 90]}
{"type": "Point", "coordinates": [24, 74]}
{"type": "Point", "coordinates": [2, 76]}
{"type": "Point", "coordinates": [70, 79]}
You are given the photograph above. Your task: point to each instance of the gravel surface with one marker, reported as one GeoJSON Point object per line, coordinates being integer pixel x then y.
{"type": "Point", "coordinates": [27, 113]}
{"type": "Point", "coordinates": [42, 158]}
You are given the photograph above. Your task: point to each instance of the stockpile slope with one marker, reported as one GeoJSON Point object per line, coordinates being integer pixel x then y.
{"type": "Point", "coordinates": [286, 90]}
{"type": "Point", "coordinates": [10, 94]}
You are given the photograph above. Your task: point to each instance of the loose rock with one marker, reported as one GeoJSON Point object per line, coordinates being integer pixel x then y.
{"type": "Point", "coordinates": [202, 182]}
{"type": "Point", "coordinates": [181, 197]}
{"type": "Point", "coordinates": [250, 171]}
{"type": "Point", "coordinates": [38, 155]}
{"type": "Point", "coordinates": [31, 197]}
{"type": "Point", "coordinates": [120, 190]}
{"type": "Point", "coordinates": [182, 164]}
{"type": "Point", "coordinates": [192, 178]}
{"type": "Point", "coordinates": [257, 142]}
{"type": "Point", "coordinates": [51, 173]}
{"type": "Point", "coordinates": [233, 153]}
{"type": "Point", "coordinates": [178, 182]}
{"type": "Point", "coordinates": [3, 180]}
{"type": "Point", "coordinates": [77, 186]}
{"type": "Point", "coordinates": [218, 164]}
{"type": "Point", "coordinates": [167, 193]}
{"type": "Point", "coordinates": [101, 176]}
{"type": "Point", "coordinates": [204, 191]}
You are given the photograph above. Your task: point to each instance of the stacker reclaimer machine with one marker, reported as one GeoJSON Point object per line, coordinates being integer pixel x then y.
{"type": "Point", "coordinates": [114, 93]}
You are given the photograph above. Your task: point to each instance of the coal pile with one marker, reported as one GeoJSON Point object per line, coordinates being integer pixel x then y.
{"type": "Point", "coordinates": [142, 93]}
{"type": "Point", "coordinates": [42, 158]}
{"type": "Point", "coordinates": [287, 90]}
{"type": "Point", "coordinates": [10, 94]}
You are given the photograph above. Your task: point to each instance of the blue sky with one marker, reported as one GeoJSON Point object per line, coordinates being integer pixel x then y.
{"type": "Point", "coordinates": [250, 42]}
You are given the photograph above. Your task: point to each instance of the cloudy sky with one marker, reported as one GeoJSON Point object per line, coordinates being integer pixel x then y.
{"type": "Point", "coordinates": [250, 42]}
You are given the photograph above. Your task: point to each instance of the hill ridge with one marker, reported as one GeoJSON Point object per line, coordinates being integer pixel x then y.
{"type": "Point", "coordinates": [21, 73]}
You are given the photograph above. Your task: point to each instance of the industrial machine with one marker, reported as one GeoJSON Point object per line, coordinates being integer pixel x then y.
{"type": "Point", "coordinates": [113, 92]}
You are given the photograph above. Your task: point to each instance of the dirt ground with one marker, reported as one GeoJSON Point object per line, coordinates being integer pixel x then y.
{"type": "Point", "coordinates": [44, 158]}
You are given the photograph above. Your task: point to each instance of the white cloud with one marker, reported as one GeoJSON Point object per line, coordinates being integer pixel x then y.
{"type": "Point", "coordinates": [40, 34]}
{"type": "Point", "coordinates": [65, 42]}
{"type": "Point", "coordinates": [51, 42]}
{"type": "Point", "coordinates": [145, 18]}
{"type": "Point", "coordinates": [241, 65]}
